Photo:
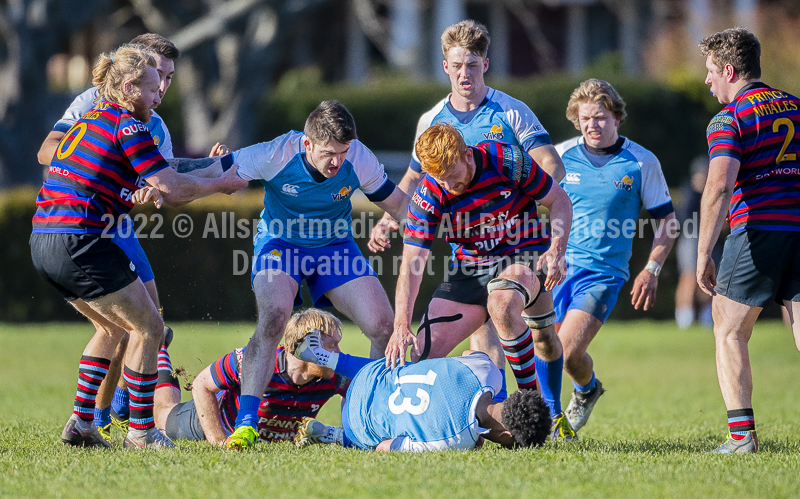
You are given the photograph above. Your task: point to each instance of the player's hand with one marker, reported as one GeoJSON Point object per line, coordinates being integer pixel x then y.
{"type": "Point", "coordinates": [231, 182]}
{"type": "Point", "coordinates": [644, 290]}
{"type": "Point", "coordinates": [401, 338]}
{"type": "Point", "coordinates": [148, 193]}
{"type": "Point", "coordinates": [556, 266]}
{"type": "Point", "coordinates": [379, 237]}
{"type": "Point", "coordinates": [706, 274]}
{"type": "Point", "coordinates": [219, 150]}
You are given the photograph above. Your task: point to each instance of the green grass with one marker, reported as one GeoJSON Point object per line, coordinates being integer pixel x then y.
{"type": "Point", "coordinates": [648, 437]}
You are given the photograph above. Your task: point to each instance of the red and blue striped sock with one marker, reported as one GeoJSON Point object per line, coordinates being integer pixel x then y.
{"type": "Point", "coordinates": [519, 353]}
{"type": "Point", "coordinates": [141, 388]}
{"type": "Point", "coordinates": [91, 372]}
{"type": "Point", "coordinates": [165, 371]}
{"type": "Point", "coordinates": [740, 423]}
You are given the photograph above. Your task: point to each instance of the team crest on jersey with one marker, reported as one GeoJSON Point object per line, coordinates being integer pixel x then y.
{"type": "Point", "coordinates": [342, 194]}
{"type": "Point", "coordinates": [156, 140]}
{"type": "Point", "coordinates": [275, 255]}
{"type": "Point", "coordinates": [573, 178]}
{"type": "Point", "coordinates": [290, 189]}
{"type": "Point", "coordinates": [496, 133]}
{"type": "Point", "coordinates": [626, 183]}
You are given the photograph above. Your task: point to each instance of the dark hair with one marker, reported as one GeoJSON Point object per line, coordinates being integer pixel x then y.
{"type": "Point", "coordinates": [527, 418]}
{"type": "Point", "coordinates": [330, 121]}
{"type": "Point", "coordinates": [158, 44]}
{"type": "Point", "coordinates": [737, 47]}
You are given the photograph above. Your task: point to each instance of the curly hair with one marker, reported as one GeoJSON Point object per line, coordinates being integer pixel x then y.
{"type": "Point", "coordinates": [594, 91]}
{"type": "Point", "coordinates": [440, 148]}
{"type": "Point", "coordinates": [737, 47]}
{"type": "Point", "coordinates": [527, 418]}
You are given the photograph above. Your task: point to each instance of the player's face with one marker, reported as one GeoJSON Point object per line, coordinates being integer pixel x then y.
{"type": "Point", "coordinates": [149, 95]}
{"type": "Point", "coordinates": [166, 70]}
{"type": "Point", "coordinates": [715, 78]}
{"type": "Point", "coordinates": [598, 125]}
{"type": "Point", "coordinates": [326, 158]}
{"type": "Point", "coordinates": [458, 179]}
{"type": "Point", "coordinates": [465, 70]}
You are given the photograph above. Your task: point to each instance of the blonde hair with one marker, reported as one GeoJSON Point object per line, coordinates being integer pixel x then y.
{"type": "Point", "coordinates": [440, 148]}
{"type": "Point", "coordinates": [470, 35]}
{"type": "Point", "coordinates": [594, 91]}
{"type": "Point", "coordinates": [303, 322]}
{"type": "Point", "coordinates": [112, 70]}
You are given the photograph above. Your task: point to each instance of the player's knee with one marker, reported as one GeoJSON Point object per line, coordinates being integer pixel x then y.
{"type": "Point", "coordinates": [502, 307]}
{"type": "Point", "coordinates": [272, 321]}
{"type": "Point", "coordinates": [379, 326]}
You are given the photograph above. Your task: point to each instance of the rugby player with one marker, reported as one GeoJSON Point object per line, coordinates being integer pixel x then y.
{"type": "Point", "coordinates": [609, 178]}
{"type": "Point", "coordinates": [306, 233]}
{"type": "Point", "coordinates": [481, 114]}
{"type": "Point", "coordinates": [296, 390]}
{"type": "Point", "coordinates": [486, 197]}
{"type": "Point", "coordinates": [90, 187]}
{"type": "Point", "coordinates": [754, 174]}
{"type": "Point", "coordinates": [434, 405]}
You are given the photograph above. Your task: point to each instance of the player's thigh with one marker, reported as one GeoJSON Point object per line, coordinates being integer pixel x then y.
{"type": "Point", "coordinates": [793, 310]}
{"type": "Point", "coordinates": [446, 324]}
{"type": "Point", "coordinates": [364, 301]}
{"type": "Point", "coordinates": [577, 331]}
{"type": "Point", "coordinates": [132, 307]}
{"type": "Point", "coordinates": [733, 321]}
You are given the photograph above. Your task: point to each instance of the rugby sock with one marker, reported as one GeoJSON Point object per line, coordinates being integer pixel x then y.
{"type": "Point", "coordinates": [349, 365]}
{"type": "Point", "coordinates": [141, 388]}
{"type": "Point", "coordinates": [519, 353]}
{"type": "Point", "coordinates": [248, 411]}
{"type": "Point", "coordinates": [165, 376]}
{"type": "Point", "coordinates": [550, 374]}
{"type": "Point", "coordinates": [91, 372]}
{"type": "Point", "coordinates": [119, 404]}
{"type": "Point", "coordinates": [740, 422]}
{"type": "Point", "coordinates": [503, 393]}
{"type": "Point", "coordinates": [102, 417]}
{"type": "Point", "coordinates": [588, 387]}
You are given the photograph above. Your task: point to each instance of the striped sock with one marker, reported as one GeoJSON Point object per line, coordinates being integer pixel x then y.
{"type": "Point", "coordinates": [740, 422]}
{"type": "Point", "coordinates": [141, 388]}
{"type": "Point", "coordinates": [91, 372]}
{"type": "Point", "coordinates": [519, 353]}
{"type": "Point", "coordinates": [119, 404]}
{"type": "Point", "coordinates": [165, 376]}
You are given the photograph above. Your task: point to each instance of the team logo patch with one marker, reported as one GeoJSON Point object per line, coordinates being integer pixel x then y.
{"type": "Point", "coordinates": [275, 255]}
{"type": "Point", "coordinates": [133, 267]}
{"type": "Point", "coordinates": [573, 178]}
{"type": "Point", "coordinates": [156, 140]}
{"type": "Point", "coordinates": [626, 183]}
{"type": "Point", "coordinates": [290, 189]}
{"type": "Point", "coordinates": [495, 133]}
{"type": "Point", "coordinates": [342, 194]}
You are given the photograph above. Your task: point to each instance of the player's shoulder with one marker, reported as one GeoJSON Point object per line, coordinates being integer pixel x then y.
{"type": "Point", "coordinates": [428, 117]}
{"type": "Point", "coordinates": [506, 102]}
{"type": "Point", "coordinates": [641, 153]}
{"type": "Point", "coordinates": [85, 99]}
{"type": "Point", "coordinates": [568, 145]}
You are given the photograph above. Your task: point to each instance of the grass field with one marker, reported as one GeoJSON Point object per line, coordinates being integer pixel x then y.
{"type": "Point", "coordinates": [648, 437]}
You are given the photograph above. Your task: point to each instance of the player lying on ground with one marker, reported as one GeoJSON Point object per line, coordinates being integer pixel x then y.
{"type": "Point", "coordinates": [297, 389]}
{"type": "Point", "coordinates": [436, 404]}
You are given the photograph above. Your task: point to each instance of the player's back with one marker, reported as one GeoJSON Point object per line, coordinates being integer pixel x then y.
{"type": "Point", "coordinates": [432, 401]}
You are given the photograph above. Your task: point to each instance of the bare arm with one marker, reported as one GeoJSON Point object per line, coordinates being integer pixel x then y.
{"type": "Point", "coordinates": [205, 400]}
{"type": "Point", "coordinates": [48, 148]}
{"type": "Point", "coordinates": [178, 188]}
{"type": "Point", "coordinates": [557, 201]}
{"type": "Point", "coordinates": [396, 205]}
{"type": "Point", "coordinates": [187, 165]}
{"type": "Point", "coordinates": [412, 267]}
{"type": "Point", "coordinates": [722, 172]}
{"type": "Point", "coordinates": [646, 283]}
{"type": "Point", "coordinates": [378, 240]}
{"type": "Point", "coordinates": [548, 159]}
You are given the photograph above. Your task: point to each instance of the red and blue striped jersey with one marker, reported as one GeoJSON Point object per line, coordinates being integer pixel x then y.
{"type": "Point", "coordinates": [95, 171]}
{"type": "Point", "coordinates": [284, 404]}
{"type": "Point", "coordinates": [761, 129]}
{"type": "Point", "coordinates": [495, 217]}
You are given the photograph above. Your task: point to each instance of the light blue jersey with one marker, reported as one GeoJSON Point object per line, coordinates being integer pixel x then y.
{"type": "Point", "coordinates": [298, 209]}
{"type": "Point", "coordinates": [499, 118]}
{"type": "Point", "coordinates": [606, 202]}
{"type": "Point", "coordinates": [425, 406]}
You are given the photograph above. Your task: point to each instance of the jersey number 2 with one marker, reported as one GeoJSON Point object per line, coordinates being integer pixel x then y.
{"type": "Point", "coordinates": [422, 395]}
{"type": "Point", "coordinates": [776, 125]}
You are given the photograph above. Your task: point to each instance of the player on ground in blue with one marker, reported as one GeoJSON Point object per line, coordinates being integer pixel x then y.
{"type": "Point", "coordinates": [485, 200]}
{"type": "Point", "coordinates": [754, 175]}
{"type": "Point", "coordinates": [433, 405]}
{"type": "Point", "coordinates": [609, 178]}
{"type": "Point", "coordinates": [305, 234]}
{"type": "Point", "coordinates": [481, 114]}
{"type": "Point", "coordinates": [114, 413]}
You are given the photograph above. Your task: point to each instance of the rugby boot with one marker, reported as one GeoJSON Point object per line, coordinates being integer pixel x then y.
{"type": "Point", "coordinates": [75, 433]}
{"type": "Point", "coordinates": [309, 349]}
{"type": "Point", "coordinates": [747, 445]}
{"type": "Point", "coordinates": [243, 438]}
{"type": "Point", "coordinates": [581, 405]}
{"type": "Point", "coordinates": [168, 334]}
{"type": "Point", "coordinates": [561, 429]}
{"type": "Point", "coordinates": [313, 432]}
{"type": "Point", "coordinates": [152, 439]}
